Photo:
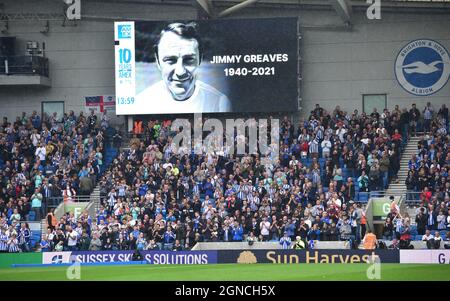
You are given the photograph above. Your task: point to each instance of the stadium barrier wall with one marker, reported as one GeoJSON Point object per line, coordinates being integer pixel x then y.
{"type": "Point", "coordinates": [150, 257]}
{"type": "Point", "coordinates": [7, 259]}
{"type": "Point", "coordinates": [307, 256]}
{"type": "Point", "coordinates": [425, 256]}
{"type": "Point", "coordinates": [224, 256]}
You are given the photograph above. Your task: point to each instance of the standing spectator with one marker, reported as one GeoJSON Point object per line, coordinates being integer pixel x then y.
{"type": "Point", "coordinates": [441, 221]}
{"type": "Point", "coordinates": [326, 147]}
{"type": "Point", "coordinates": [24, 237]}
{"type": "Point", "coordinates": [388, 229]}
{"type": "Point", "coordinates": [72, 239]}
{"type": "Point", "coordinates": [370, 241]}
{"type": "Point", "coordinates": [40, 153]}
{"type": "Point", "coordinates": [421, 221]}
{"type": "Point", "coordinates": [443, 112]}
{"type": "Point", "coordinates": [384, 169]}
{"type": "Point", "coordinates": [237, 231]}
{"type": "Point", "coordinates": [95, 244]}
{"type": "Point", "coordinates": [427, 116]}
{"type": "Point", "coordinates": [169, 239]}
{"type": "Point", "coordinates": [13, 244]}
{"type": "Point", "coordinates": [45, 244]}
{"type": "Point", "coordinates": [15, 217]}
{"type": "Point", "coordinates": [3, 241]}
{"type": "Point", "coordinates": [265, 229]}
{"type": "Point", "coordinates": [414, 115]}
{"type": "Point", "coordinates": [363, 182]}
{"type": "Point", "coordinates": [285, 241]}
{"type": "Point", "coordinates": [36, 203]}
{"type": "Point", "coordinates": [84, 241]}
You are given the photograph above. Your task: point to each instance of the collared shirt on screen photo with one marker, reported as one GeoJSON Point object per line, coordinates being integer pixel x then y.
{"type": "Point", "coordinates": [205, 98]}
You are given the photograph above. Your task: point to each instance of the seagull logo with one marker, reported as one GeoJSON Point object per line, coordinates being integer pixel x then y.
{"type": "Point", "coordinates": [421, 67]}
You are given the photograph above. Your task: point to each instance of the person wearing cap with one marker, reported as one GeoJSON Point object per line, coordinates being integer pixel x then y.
{"type": "Point", "coordinates": [299, 244]}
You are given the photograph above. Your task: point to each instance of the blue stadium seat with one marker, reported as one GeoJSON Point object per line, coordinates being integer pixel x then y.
{"type": "Point", "coordinates": [31, 216]}
{"type": "Point", "coordinates": [35, 238]}
{"type": "Point", "coordinates": [418, 237]}
{"type": "Point", "coordinates": [363, 196]}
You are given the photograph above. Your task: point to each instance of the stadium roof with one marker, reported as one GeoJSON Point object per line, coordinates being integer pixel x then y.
{"type": "Point", "coordinates": [225, 8]}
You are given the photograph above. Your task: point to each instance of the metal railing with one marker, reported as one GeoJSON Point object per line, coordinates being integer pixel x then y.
{"type": "Point", "coordinates": [54, 202]}
{"type": "Point", "coordinates": [412, 198]}
{"type": "Point", "coordinates": [11, 65]}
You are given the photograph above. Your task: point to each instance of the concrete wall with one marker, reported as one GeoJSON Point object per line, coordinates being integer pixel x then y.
{"type": "Point", "coordinates": [338, 65]}
{"type": "Point", "coordinates": [320, 245]}
{"type": "Point", "coordinates": [81, 57]}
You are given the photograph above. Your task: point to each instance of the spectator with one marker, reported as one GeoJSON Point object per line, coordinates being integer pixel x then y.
{"type": "Point", "coordinates": [370, 241]}
{"type": "Point", "coordinates": [237, 231]}
{"type": "Point", "coordinates": [13, 244]}
{"type": "Point", "coordinates": [24, 237]}
{"type": "Point", "coordinates": [36, 203]}
{"type": "Point", "coordinates": [299, 244]}
{"type": "Point", "coordinates": [3, 241]}
{"type": "Point", "coordinates": [285, 241]}
{"type": "Point", "coordinates": [434, 242]}
{"type": "Point", "coordinates": [388, 229]}
{"type": "Point", "coordinates": [414, 115]}
{"type": "Point", "coordinates": [45, 244]}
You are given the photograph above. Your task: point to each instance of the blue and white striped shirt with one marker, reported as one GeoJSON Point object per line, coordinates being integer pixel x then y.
{"type": "Point", "coordinates": [14, 246]}
{"type": "Point", "coordinates": [3, 242]}
{"type": "Point", "coordinates": [285, 242]}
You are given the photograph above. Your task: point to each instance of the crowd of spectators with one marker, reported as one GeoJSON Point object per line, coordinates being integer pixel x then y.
{"type": "Point", "coordinates": [154, 198]}
{"type": "Point", "coordinates": [428, 178]}
{"type": "Point", "coordinates": [44, 160]}
{"type": "Point", "coordinates": [427, 182]}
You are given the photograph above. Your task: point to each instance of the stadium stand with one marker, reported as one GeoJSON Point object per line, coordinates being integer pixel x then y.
{"type": "Point", "coordinates": [329, 167]}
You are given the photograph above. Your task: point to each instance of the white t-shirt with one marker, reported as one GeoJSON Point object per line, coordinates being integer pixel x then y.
{"type": "Point", "coordinates": [73, 236]}
{"type": "Point", "coordinates": [157, 99]}
{"type": "Point", "coordinates": [264, 228]}
{"type": "Point", "coordinates": [40, 153]}
{"type": "Point", "coordinates": [326, 145]}
{"type": "Point", "coordinates": [425, 237]}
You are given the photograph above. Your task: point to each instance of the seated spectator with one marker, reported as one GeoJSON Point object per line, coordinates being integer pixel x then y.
{"type": "Point", "coordinates": [434, 242]}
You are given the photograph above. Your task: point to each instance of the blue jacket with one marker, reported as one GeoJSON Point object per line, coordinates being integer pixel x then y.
{"type": "Point", "coordinates": [237, 233]}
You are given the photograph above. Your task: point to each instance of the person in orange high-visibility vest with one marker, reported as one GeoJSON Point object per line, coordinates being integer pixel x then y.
{"type": "Point", "coordinates": [363, 223]}
{"type": "Point", "coordinates": [138, 127]}
{"type": "Point", "coordinates": [370, 241]}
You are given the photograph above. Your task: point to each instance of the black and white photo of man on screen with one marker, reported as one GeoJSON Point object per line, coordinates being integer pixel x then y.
{"type": "Point", "coordinates": [178, 56]}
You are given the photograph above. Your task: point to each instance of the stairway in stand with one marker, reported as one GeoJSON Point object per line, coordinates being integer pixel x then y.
{"type": "Point", "coordinates": [400, 187]}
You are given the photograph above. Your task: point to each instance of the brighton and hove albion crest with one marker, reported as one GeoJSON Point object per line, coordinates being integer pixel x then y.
{"type": "Point", "coordinates": [422, 67]}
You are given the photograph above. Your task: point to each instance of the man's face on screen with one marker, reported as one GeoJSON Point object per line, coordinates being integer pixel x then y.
{"type": "Point", "coordinates": [178, 59]}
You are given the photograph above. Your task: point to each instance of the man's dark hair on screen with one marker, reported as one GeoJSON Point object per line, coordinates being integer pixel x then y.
{"type": "Point", "coordinates": [186, 30]}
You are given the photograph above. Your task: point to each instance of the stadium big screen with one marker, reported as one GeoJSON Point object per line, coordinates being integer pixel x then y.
{"type": "Point", "coordinates": [245, 65]}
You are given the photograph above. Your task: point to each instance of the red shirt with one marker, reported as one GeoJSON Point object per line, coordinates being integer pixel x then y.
{"type": "Point", "coordinates": [396, 137]}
